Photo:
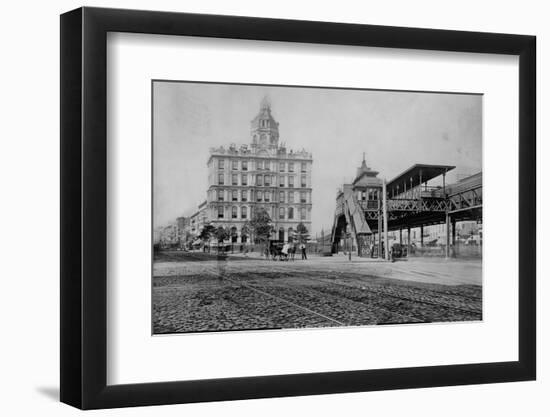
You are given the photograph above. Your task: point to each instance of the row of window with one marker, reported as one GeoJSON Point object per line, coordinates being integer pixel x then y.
{"type": "Point", "coordinates": [261, 196]}
{"type": "Point", "coordinates": [288, 212]}
{"type": "Point", "coordinates": [261, 180]}
{"type": "Point", "coordinates": [261, 165]}
{"type": "Point", "coordinates": [371, 194]}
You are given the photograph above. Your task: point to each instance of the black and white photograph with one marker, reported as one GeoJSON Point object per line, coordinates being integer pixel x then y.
{"type": "Point", "coordinates": [298, 207]}
{"type": "Point", "coordinates": [271, 209]}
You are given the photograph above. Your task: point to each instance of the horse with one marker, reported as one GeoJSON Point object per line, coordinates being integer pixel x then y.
{"type": "Point", "coordinates": [275, 251]}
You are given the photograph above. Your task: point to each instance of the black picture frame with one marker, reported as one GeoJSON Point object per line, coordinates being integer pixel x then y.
{"type": "Point", "coordinates": [84, 207]}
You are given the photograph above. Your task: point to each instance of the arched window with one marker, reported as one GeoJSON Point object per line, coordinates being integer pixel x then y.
{"type": "Point", "coordinates": [220, 195]}
{"type": "Point", "coordinates": [281, 234]}
{"type": "Point", "coordinates": [281, 213]}
{"type": "Point", "coordinates": [243, 212]}
{"type": "Point", "coordinates": [291, 212]}
{"type": "Point", "coordinates": [234, 212]}
{"type": "Point", "coordinates": [303, 213]}
{"type": "Point", "coordinates": [220, 212]}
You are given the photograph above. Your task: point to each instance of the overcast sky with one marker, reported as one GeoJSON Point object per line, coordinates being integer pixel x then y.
{"type": "Point", "coordinates": [394, 129]}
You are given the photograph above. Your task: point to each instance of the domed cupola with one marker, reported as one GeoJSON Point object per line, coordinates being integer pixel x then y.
{"type": "Point", "coordinates": [264, 128]}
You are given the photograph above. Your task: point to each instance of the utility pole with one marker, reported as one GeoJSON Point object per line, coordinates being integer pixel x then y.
{"type": "Point", "coordinates": [348, 241]}
{"type": "Point", "coordinates": [385, 214]}
{"type": "Point", "coordinates": [350, 246]}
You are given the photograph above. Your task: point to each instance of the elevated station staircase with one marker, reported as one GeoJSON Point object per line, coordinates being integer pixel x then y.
{"type": "Point", "coordinates": [355, 215]}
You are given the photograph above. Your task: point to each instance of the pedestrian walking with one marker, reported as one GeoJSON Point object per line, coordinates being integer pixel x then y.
{"type": "Point", "coordinates": [303, 249]}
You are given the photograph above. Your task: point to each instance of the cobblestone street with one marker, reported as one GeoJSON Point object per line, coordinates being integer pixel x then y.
{"type": "Point", "coordinates": [196, 292]}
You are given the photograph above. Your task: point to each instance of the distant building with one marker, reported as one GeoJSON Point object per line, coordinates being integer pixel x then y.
{"type": "Point", "coordinates": [182, 225]}
{"type": "Point", "coordinates": [166, 235]}
{"type": "Point", "coordinates": [198, 219]}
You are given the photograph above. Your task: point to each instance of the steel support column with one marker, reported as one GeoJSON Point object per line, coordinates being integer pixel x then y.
{"type": "Point", "coordinates": [379, 234]}
{"type": "Point", "coordinates": [447, 234]}
{"type": "Point", "coordinates": [385, 212]}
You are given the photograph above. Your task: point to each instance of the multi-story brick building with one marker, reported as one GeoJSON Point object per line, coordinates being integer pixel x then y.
{"type": "Point", "coordinates": [182, 227]}
{"type": "Point", "coordinates": [263, 174]}
{"type": "Point", "coordinates": [198, 219]}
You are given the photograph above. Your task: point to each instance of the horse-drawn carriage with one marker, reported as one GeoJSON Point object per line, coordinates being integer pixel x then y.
{"type": "Point", "coordinates": [277, 250]}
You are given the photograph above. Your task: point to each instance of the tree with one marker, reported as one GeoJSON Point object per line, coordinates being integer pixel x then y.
{"type": "Point", "coordinates": [302, 233]}
{"type": "Point", "coordinates": [206, 233]}
{"type": "Point", "coordinates": [261, 225]}
{"type": "Point", "coordinates": [221, 233]}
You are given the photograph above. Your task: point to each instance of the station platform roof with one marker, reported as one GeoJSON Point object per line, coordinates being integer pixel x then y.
{"type": "Point", "coordinates": [416, 175]}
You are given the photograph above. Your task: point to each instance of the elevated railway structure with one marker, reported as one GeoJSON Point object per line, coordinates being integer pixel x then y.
{"type": "Point", "coordinates": [369, 207]}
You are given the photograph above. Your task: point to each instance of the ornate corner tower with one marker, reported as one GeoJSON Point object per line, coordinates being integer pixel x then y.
{"type": "Point", "coordinates": [264, 129]}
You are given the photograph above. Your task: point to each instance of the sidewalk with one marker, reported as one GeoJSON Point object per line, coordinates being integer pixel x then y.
{"type": "Point", "coordinates": [311, 256]}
